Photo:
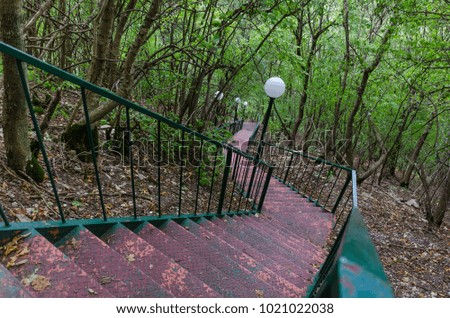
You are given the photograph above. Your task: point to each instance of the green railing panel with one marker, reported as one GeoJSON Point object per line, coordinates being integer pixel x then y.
{"type": "Point", "coordinates": [354, 269]}
{"type": "Point", "coordinates": [203, 154]}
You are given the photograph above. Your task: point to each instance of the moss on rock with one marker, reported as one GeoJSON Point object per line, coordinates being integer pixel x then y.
{"type": "Point", "coordinates": [35, 171]}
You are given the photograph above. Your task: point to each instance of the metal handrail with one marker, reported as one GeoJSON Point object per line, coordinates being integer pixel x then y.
{"type": "Point", "coordinates": [252, 204]}
{"type": "Point", "coordinates": [353, 267]}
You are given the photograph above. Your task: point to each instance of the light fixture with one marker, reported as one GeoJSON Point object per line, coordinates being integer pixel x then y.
{"type": "Point", "coordinates": [218, 95]}
{"type": "Point", "coordinates": [274, 87]}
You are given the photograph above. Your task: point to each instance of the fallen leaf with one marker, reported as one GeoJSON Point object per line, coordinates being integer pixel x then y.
{"type": "Point", "coordinates": [40, 283]}
{"type": "Point", "coordinates": [130, 258]}
{"type": "Point", "coordinates": [106, 280]}
{"type": "Point", "coordinates": [92, 292]}
{"type": "Point", "coordinates": [13, 244]}
{"type": "Point", "coordinates": [23, 252]}
{"type": "Point", "coordinates": [12, 262]}
{"type": "Point", "coordinates": [74, 243]}
{"type": "Point", "coordinates": [259, 293]}
{"type": "Point", "coordinates": [37, 282]}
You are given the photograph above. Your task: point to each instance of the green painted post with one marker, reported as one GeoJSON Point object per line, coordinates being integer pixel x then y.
{"type": "Point", "coordinates": [3, 215]}
{"type": "Point", "coordinates": [226, 172]}
{"type": "Point", "coordinates": [264, 191]}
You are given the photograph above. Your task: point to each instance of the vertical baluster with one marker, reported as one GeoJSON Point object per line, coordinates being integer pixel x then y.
{"type": "Point", "coordinates": [290, 180]}
{"type": "Point", "coordinates": [181, 173]}
{"type": "Point", "coordinates": [158, 132]}
{"type": "Point", "coordinates": [40, 138]}
{"type": "Point", "coordinates": [226, 172]}
{"type": "Point", "coordinates": [241, 181]}
{"type": "Point", "coordinates": [308, 183]}
{"type": "Point", "coordinates": [92, 146]}
{"type": "Point", "coordinates": [301, 173]}
{"type": "Point", "coordinates": [3, 215]}
{"type": "Point", "coordinates": [316, 184]}
{"type": "Point", "coordinates": [344, 188]}
{"type": "Point", "coordinates": [212, 180]}
{"type": "Point", "coordinates": [323, 186]}
{"type": "Point", "coordinates": [248, 164]}
{"type": "Point", "coordinates": [266, 186]}
{"type": "Point", "coordinates": [260, 181]}
{"type": "Point", "coordinates": [198, 178]}
{"type": "Point", "coordinates": [288, 168]}
{"type": "Point", "coordinates": [237, 159]}
{"type": "Point", "coordinates": [339, 214]}
{"type": "Point", "coordinates": [130, 158]}
{"type": "Point", "coordinates": [334, 185]}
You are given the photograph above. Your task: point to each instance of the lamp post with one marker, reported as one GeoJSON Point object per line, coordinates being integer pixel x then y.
{"type": "Point", "coordinates": [238, 101]}
{"type": "Point", "coordinates": [274, 88]}
{"type": "Point", "coordinates": [245, 104]}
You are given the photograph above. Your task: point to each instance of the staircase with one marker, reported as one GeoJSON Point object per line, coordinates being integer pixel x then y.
{"type": "Point", "coordinates": [239, 256]}
{"type": "Point", "coordinates": [273, 254]}
{"type": "Point", "coordinates": [245, 234]}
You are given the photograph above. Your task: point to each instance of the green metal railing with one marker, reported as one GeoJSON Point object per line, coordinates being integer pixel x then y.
{"type": "Point", "coordinates": [320, 181]}
{"type": "Point", "coordinates": [353, 267]}
{"type": "Point", "coordinates": [232, 127]}
{"type": "Point", "coordinates": [202, 162]}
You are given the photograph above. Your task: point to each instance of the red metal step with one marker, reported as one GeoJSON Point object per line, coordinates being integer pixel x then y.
{"type": "Point", "coordinates": [283, 287]}
{"type": "Point", "coordinates": [219, 259]}
{"type": "Point", "coordinates": [162, 269]}
{"type": "Point", "coordinates": [107, 267]}
{"type": "Point", "coordinates": [46, 272]}
{"type": "Point", "coordinates": [196, 264]}
{"type": "Point", "coordinates": [315, 226]}
{"type": "Point", "coordinates": [277, 263]}
{"type": "Point", "coordinates": [10, 286]}
{"type": "Point", "coordinates": [261, 241]}
{"type": "Point", "coordinates": [288, 239]}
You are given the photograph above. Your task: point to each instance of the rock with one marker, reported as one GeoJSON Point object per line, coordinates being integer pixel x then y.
{"type": "Point", "coordinates": [23, 218]}
{"type": "Point", "coordinates": [413, 203]}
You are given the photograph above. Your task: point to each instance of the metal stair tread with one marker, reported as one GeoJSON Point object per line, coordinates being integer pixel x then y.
{"type": "Point", "coordinates": [284, 287]}
{"type": "Point", "coordinates": [108, 267]}
{"type": "Point", "coordinates": [169, 274]}
{"type": "Point", "coordinates": [219, 259]}
{"type": "Point", "coordinates": [50, 273]}
{"type": "Point", "coordinates": [225, 285]}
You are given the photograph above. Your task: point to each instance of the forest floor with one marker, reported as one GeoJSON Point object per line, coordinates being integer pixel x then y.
{"type": "Point", "coordinates": [416, 259]}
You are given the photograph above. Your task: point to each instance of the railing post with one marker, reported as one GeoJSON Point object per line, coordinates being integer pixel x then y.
{"type": "Point", "coordinates": [3, 215]}
{"type": "Point", "coordinates": [264, 191]}
{"type": "Point", "coordinates": [344, 188]}
{"type": "Point", "coordinates": [130, 158]}
{"type": "Point", "coordinates": [92, 146]}
{"type": "Point", "coordinates": [288, 168]}
{"type": "Point", "coordinates": [40, 138]}
{"type": "Point", "coordinates": [226, 172]}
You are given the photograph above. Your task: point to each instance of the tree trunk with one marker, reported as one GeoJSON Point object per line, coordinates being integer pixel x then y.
{"type": "Point", "coordinates": [337, 107]}
{"type": "Point", "coordinates": [443, 199]}
{"type": "Point", "coordinates": [415, 155]}
{"type": "Point", "coordinates": [15, 121]}
{"type": "Point", "coordinates": [125, 86]}
{"type": "Point", "coordinates": [349, 149]}
{"type": "Point", "coordinates": [103, 25]}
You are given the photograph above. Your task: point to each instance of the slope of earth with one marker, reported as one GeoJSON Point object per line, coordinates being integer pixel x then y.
{"type": "Point", "coordinates": [416, 258]}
